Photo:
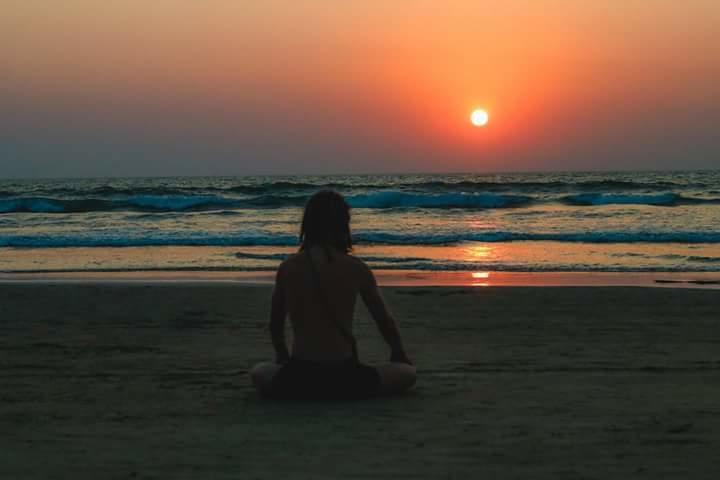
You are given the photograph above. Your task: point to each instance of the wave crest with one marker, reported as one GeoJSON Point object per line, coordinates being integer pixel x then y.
{"type": "Point", "coordinates": [382, 199]}
{"type": "Point", "coordinates": [145, 203]}
{"type": "Point", "coordinates": [394, 199]}
{"type": "Point", "coordinates": [665, 199]}
{"type": "Point", "coordinates": [367, 237]}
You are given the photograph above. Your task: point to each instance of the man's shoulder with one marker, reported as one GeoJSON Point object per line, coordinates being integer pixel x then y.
{"type": "Point", "coordinates": [289, 261]}
{"type": "Point", "coordinates": [358, 265]}
{"type": "Point", "coordinates": [288, 264]}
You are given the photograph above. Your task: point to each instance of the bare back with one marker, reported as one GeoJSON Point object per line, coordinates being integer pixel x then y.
{"type": "Point", "coordinates": [314, 319]}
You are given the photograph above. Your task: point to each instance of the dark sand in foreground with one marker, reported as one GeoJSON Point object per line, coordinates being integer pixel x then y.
{"type": "Point", "coordinates": [102, 381]}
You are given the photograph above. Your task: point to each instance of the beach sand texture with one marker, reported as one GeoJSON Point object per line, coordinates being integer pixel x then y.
{"type": "Point", "coordinates": [150, 381]}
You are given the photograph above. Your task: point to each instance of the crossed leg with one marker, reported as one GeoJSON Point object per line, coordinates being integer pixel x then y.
{"type": "Point", "coordinates": [394, 377]}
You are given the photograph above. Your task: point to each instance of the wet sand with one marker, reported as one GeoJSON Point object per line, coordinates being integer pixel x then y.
{"type": "Point", "coordinates": [150, 381]}
{"type": "Point", "coordinates": [390, 278]}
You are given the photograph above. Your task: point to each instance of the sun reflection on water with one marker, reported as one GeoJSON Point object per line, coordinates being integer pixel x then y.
{"type": "Point", "coordinates": [480, 276]}
{"type": "Point", "coordinates": [480, 251]}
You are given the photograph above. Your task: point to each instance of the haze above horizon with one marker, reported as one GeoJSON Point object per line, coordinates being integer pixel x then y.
{"type": "Point", "coordinates": [173, 88]}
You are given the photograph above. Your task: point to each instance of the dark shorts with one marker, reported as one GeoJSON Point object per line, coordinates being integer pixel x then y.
{"type": "Point", "coordinates": [302, 379]}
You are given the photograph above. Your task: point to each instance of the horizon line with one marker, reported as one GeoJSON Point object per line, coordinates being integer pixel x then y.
{"type": "Point", "coordinates": [376, 174]}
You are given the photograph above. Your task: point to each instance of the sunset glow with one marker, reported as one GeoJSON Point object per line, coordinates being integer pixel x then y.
{"type": "Point", "coordinates": [277, 235]}
{"type": "Point", "coordinates": [322, 86]}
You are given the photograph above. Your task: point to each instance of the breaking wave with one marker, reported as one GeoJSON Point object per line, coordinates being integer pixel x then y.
{"type": "Point", "coordinates": [376, 200]}
{"type": "Point", "coordinates": [665, 199]}
{"type": "Point", "coordinates": [373, 237]}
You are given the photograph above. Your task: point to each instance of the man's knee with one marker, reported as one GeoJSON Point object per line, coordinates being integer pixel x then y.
{"type": "Point", "coordinates": [262, 375]}
{"type": "Point", "coordinates": [397, 377]}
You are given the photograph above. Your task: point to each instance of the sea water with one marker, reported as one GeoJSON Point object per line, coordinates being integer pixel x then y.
{"type": "Point", "coordinates": [629, 221]}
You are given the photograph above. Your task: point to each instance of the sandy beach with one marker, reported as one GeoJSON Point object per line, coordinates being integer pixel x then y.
{"type": "Point", "coordinates": [150, 381]}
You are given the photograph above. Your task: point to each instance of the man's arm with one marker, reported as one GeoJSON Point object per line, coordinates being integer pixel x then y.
{"type": "Point", "coordinates": [278, 313]}
{"type": "Point", "coordinates": [370, 294]}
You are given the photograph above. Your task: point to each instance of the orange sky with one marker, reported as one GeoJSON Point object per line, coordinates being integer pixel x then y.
{"type": "Point", "coordinates": [183, 87]}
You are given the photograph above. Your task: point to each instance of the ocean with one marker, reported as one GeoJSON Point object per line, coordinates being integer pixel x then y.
{"type": "Point", "coordinates": [628, 221]}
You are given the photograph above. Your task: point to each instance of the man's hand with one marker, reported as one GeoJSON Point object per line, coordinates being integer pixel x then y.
{"type": "Point", "coordinates": [399, 356]}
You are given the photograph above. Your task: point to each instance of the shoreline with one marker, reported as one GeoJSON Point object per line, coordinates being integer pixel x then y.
{"type": "Point", "coordinates": [387, 278]}
{"type": "Point", "coordinates": [517, 257]}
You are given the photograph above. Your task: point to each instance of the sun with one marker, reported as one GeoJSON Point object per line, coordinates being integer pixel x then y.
{"type": "Point", "coordinates": [479, 117]}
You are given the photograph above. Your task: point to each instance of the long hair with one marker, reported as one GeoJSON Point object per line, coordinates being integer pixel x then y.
{"type": "Point", "coordinates": [326, 222]}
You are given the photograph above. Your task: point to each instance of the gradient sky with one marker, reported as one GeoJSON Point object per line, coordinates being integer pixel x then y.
{"type": "Point", "coordinates": [214, 87]}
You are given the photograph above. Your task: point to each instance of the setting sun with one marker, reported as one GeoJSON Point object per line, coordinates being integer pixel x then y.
{"type": "Point", "coordinates": [479, 117]}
